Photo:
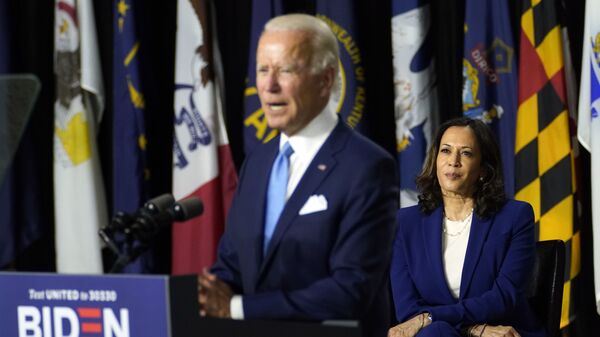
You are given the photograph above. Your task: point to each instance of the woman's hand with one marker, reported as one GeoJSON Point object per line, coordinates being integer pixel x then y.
{"type": "Point", "coordinates": [410, 327]}
{"type": "Point", "coordinates": [485, 330]}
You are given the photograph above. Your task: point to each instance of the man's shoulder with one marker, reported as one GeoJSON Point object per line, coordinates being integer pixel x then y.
{"type": "Point", "coordinates": [364, 147]}
{"type": "Point", "coordinates": [263, 150]}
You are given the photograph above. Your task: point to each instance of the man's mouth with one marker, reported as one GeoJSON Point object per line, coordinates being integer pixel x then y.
{"type": "Point", "coordinates": [276, 106]}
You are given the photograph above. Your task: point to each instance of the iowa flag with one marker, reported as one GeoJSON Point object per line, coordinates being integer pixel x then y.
{"type": "Point", "coordinates": [202, 163]}
{"type": "Point", "coordinates": [79, 203]}
{"type": "Point", "coordinates": [544, 174]}
{"type": "Point", "coordinates": [588, 126]}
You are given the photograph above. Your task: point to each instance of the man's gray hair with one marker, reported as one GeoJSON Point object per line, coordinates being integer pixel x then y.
{"type": "Point", "coordinates": [324, 44]}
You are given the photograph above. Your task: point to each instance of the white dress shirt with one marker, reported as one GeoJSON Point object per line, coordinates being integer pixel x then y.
{"type": "Point", "coordinates": [306, 143]}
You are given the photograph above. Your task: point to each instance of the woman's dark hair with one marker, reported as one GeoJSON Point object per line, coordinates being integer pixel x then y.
{"type": "Point", "coordinates": [489, 194]}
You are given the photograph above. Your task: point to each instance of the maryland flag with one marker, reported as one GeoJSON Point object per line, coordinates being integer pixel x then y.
{"type": "Point", "coordinates": [544, 169]}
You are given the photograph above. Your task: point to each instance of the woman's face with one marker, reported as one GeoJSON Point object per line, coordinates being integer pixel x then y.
{"type": "Point", "coordinates": [458, 162]}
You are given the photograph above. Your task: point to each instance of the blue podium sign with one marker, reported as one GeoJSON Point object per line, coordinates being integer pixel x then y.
{"type": "Point", "coordinates": [57, 305]}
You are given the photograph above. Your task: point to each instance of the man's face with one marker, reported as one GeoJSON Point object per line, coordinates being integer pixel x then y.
{"type": "Point", "coordinates": [290, 93]}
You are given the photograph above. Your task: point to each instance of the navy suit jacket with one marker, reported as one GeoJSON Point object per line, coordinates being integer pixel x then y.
{"type": "Point", "coordinates": [495, 277]}
{"type": "Point", "coordinates": [331, 264]}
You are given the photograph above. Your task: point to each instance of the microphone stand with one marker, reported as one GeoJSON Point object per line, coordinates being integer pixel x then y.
{"type": "Point", "coordinates": [129, 251]}
{"type": "Point", "coordinates": [138, 231]}
{"type": "Point", "coordinates": [124, 259]}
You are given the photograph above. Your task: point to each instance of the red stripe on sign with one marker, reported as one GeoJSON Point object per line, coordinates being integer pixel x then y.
{"type": "Point", "coordinates": [89, 312]}
{"type": "Point", "coordinates": [91, 327]}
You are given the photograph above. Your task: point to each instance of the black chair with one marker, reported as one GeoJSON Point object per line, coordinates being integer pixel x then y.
{"type": "Point", "coordinates": [546, 288]}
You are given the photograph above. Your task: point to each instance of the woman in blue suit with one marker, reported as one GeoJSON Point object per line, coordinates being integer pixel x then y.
{"type": "Point", "coordinates": [462, 258]}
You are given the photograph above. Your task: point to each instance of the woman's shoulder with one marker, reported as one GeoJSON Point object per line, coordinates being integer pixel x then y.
{"type": "Point", "coordinates": [516, 212]}
{"type": "Point", "coordinates": [410, 211]}
{"type": "Point", "coordinates": [513, 205]}
{"type": "Point", "coordinates": [408, 220]}
{"type": "Point", "coordinates": [414, 208]}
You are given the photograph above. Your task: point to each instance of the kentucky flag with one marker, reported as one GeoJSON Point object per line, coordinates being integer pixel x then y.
{"type": "Point", "coordinates": [490, 76]}
{"type": "Point", "coordinates": [256, 130]}
{"type": "Point", "coordinates": [130, 173]}
{"type": "Point", "coordinates": [349, 97]}
{"type": "Point", "coordinates": [415, 103]}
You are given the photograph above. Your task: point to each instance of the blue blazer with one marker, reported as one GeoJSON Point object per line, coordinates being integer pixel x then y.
{"type": "Point", "coordinates": [495, 277]}
{"type": "Point", "coordinates": [330, 264]}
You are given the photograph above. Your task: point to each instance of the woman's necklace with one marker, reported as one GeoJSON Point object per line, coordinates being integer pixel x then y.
{"type": "Point", "coordinates": [462, 224]}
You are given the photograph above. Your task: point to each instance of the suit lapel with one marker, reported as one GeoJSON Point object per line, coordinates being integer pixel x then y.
{"type": "Point", "coordinates": [256, 218]}
{"type": "Point", "coordinates": [477, 237]}
{"type": "Point", "coordinates": [310, 181]}
{"type": "Point", "coordinates": [432, 238]}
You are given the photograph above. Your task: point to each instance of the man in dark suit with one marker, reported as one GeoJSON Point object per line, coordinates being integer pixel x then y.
{"type": "Point", "coordinates": [321, 250]}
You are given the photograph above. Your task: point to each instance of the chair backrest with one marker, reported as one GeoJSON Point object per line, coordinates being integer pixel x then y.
{"type": "Point", "coordinates": [546, 288]}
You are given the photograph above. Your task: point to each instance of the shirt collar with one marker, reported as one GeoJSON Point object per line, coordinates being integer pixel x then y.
{"type": "Point", "coordinates": [308, 141]}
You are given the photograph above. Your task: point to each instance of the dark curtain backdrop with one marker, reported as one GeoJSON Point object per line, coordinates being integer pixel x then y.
{"type": "Point", "coordinates": [157, 58]}
{"type": "Point", "coordinates": [32, 51]}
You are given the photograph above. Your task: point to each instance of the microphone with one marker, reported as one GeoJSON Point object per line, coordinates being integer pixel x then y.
{"type": "Point", "coordinates": [147, 224]}
{"type": "Point", "coordinates": [138, 230]}
{"type": "Point", "coordinates": [122, 222]}
{"type": "Point", "coordinates": [160, 203]}
{"type": "Point", "coordinates": [187, 209]}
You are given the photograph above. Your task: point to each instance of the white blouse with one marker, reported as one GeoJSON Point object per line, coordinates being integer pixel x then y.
{"type": "Point", "coordinates": [455, 238]}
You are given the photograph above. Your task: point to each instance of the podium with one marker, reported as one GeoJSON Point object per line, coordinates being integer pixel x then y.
{"type": "Point", "coordinates": [58, 305]}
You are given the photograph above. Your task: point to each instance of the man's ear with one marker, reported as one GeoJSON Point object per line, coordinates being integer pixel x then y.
{"type": "Point", "coordinates": [327, 80]}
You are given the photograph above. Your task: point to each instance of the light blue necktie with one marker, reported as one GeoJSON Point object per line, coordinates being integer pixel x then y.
{"type": "Point", "coordinates": [276, 192]}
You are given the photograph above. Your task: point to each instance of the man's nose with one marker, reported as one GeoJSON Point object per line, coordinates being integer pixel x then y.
{"type": "Point", "coordinates": [273, 82]}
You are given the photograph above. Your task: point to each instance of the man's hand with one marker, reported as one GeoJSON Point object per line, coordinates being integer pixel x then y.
{"type": "Point", "coordinates": [214, 296]}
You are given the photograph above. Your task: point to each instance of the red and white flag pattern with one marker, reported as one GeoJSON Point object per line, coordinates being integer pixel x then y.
{"type": "Point", "coordinates": [202, 163]}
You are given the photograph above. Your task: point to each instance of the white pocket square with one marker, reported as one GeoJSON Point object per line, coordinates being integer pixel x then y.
{"type": "Point", "coordinates": [315, 203]}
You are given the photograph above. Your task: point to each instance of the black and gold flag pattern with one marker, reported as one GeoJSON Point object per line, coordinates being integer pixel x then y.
{"type": "Point", "coordinates": [544, 166]}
